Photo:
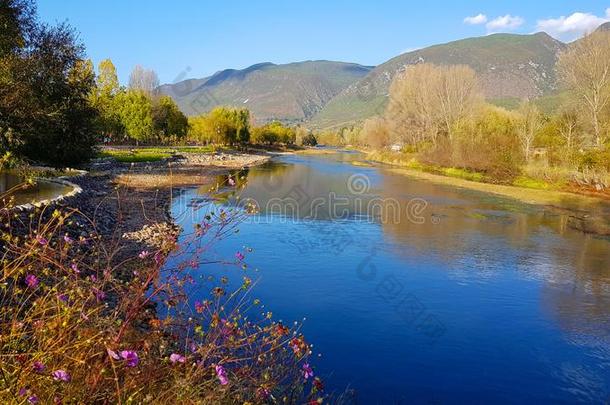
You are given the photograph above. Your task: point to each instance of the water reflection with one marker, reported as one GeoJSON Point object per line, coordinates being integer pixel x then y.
{"type": "Point", "coordinates": [22, 193]}
{"type": "Point", "coordinates": [524, 298]}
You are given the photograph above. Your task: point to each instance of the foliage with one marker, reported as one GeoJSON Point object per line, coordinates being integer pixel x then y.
{"type": "Point", "coordinates": [222, 125]}
{"type": "Point", "coordinates": [273, 133]}
{"type": "Point", "coordinates": [309, 140]}
{"type": "Point", "coordinates": [45, 84]}
{"type": "Point", "coordinates": [135, 110]}
{"type": "Point", "coordinates": [375, 133]}
{"type": "Point", "coordinates": [169, 122]}
{"type": "Point", "coordinates": [77, 326]}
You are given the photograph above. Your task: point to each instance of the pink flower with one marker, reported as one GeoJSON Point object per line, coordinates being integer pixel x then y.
{"type": "Point", "coordinates": [113, 354]}
{"type": "Point", "coordinates": [41, 240]}
{"type": "Point", "coordinates": [231, 181]}
{"type": "Point", "coordinates": [68, 239]}
{"type": "Point", "coordinates": [33, 399]}
{"type": "Point", "coordinates": [199, 307]}
{"type": "Point", "coordinates": [99, 294]}
{"type": "Point", "coordinates": [176, 358]}
{"type": "Point", "coordinates": [61, 375]}
{"type": "Point", "coordinates": [38, 367]}
{"type": "Point", "coordinates": [31, 281]}
{"type": "Point", "coordinates": [144, 254]}
{"type": "Point", "coordinates": [222, 375]}
{"type": "Point", "coordinates": [131, 358]}
{"type": "Point", "coordinates": [74, 268]}
{"type": "Point", "coordinates": [307, 371]}
{"type": "Point", "coordinates": [240, 256]}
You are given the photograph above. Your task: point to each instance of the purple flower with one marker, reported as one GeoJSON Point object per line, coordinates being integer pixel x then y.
{"type": "Point", "coordinates": [31, 281]}
{"type": "Point", "coordinates": [68, 239]}
{"type": "Point", "coordinates": [61, 375]}
{"type": "Point", "coordinates": [41, 240]}
{"type": "Point", "coordinates": [222, 375]}
{"type": "Point", "coordinates": [307, 371]}
{"type": "Point", "coordinates": [33, 399]}
{"type": "Point", "coordinates": [176, 358]}
{"type": "Point", "coordinates": [99, 294]}
{"type": "Point", "coordinates": [113, 354]}
{"type": "Point", "coordinates": [240, 256]}
{"type": "Point", "coordinates": [131, 358]}
{"type": "Point", "coordinates": [38, 367]}
{"type": "Point", "coordinates": [144, 254]}
{"type": "Point", "coordinates": [23, 391]}
{"type": "Point", "coordinates": [63, 297]}
{"type": "Point", "coordinates": [74, 268]}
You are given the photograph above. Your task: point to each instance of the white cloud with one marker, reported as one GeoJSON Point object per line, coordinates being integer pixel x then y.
{"type": "Point", "coordinates": [506, 23]}
{"type": "Point", "coordinates": [478, 19]}
{"type": "Point", "coordinates": [572, 26]}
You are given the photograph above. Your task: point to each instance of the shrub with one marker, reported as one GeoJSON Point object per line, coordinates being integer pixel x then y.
{"type": "Point", "coordinates": [81, 323]}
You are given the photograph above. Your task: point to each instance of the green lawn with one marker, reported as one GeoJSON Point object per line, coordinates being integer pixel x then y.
{"type": "Point", "coordinates": [152, 154]}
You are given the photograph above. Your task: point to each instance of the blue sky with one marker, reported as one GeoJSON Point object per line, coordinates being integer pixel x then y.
{"type": "Point", "coordinates": [191, 38]}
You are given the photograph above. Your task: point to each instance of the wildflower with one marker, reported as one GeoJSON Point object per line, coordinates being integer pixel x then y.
{"type": "Point", "coordinates": [68, 239]}
{"type": "Point", "coordinates": [99, 294]}
{"type": "Point", "coordinates": [231, 181]}
{"type": "Point", "coordinates": [74, 268]}
{"type": "Point", "coordinates": [62, 297]}
{"type": "Point", "coordinates": [31, 281]}
{"type": "Point", "coordinates": [144, 254]}
{"type": "Point", "coordinates": [23, 391]}
{"type": "Point", "coordinates": [307, 371]}
{"type": "Point", "coordinates": [176, 358]}
{"type": "Point", "coordinates": [199, 307]}
{"type": "Point", "coordinates": [113, 354]}
{"type": "Point", "coordinates": [131, 358]}
{"type": "Point", "coordinates": [318, 384]}
{"type": "Point", "coordinates": [222, 375]}
{"type": "Point", "coordinates": [41, 240]}
{"type": "Point", "coordinates": [61, 375]}
{"type": "Point", "coordinates": [33, 399]}
{"type": "Point", "coordinates": [240, 256]}
{"type": "Point", "coordinates": [38, 367]}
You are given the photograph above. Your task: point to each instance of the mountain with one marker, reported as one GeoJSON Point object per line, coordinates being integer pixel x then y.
{"type": "Point", "coordinates": [509, 66]}
{"type": "Point", "coordinates": [290, 92]}
{"type": "Point", "coordinates": [604, 27]}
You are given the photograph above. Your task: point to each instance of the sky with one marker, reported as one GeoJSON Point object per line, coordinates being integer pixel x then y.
{"type": "Point", "coordinates": [188, 38]}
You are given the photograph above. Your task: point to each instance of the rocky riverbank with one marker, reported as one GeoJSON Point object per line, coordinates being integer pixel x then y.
{"type": "Point", "coordinates": [128, 205]}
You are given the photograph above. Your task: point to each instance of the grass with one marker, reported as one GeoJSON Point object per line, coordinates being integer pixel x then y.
{"type": "Point", "coordinates": [528, 182]}
{"type": "Point", "coordinates": [152, 154]}
{"type": "Point", "coordinates": [463, 174]}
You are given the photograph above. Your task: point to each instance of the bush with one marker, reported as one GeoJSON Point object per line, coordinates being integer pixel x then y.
{"type": "Point", "coordinates": [78, 326]}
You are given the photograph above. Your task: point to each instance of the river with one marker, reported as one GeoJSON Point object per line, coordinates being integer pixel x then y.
{"type": "Point", "coordinates": [416, 292]}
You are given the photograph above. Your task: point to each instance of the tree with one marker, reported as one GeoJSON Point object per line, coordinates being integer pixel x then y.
{"type": "Point", "coordinates": [426, 101]}
{"type": "Point", "coordinates": [168, 121]}
{"type": "Point", "coordinates": [530, 122]}
{"type": "Point", "coordinates": [144, 80]}
{"type": "Point", "coordinates": [104, 99]}
{"type": "Point", "coordinates": [584, 68]}
{"type": "Point", "coordinates": [45, 84]}
{"type": "Point", "coordinates": [568, 126]}
{"type": "Point", "coordinates": [135, 111]}
{"type": "Point", "coordinates": [375, 133]}
{"type": "Point", "coordinates": [221, 125]}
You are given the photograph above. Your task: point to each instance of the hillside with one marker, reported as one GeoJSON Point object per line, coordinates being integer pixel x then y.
{"type": "Point", "coordinates": [290, 92]}
{"type": "Point", "coordinates": [509, 66]}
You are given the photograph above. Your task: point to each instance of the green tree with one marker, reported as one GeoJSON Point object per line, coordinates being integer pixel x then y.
{"type": "Point", "coordinates": [45, 85]}
{"type": "Point", "coordinates": [168, 121]}
{"type": "Point", "coordinates": [104, 99]}
{"type": "Point", "coordinates": [135, 111]}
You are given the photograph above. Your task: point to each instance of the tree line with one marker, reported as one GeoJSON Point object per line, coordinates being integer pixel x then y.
{"type": "Point", "coordinates": [439, 114]}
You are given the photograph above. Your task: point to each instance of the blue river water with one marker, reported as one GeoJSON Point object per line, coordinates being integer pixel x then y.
{"type": "Point", "coordinates": [415, 292]}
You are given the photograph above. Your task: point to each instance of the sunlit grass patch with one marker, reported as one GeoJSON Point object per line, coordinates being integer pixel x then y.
{"type": "Point", "coordinates": [463, 174]}
{"type": "Point", "coordinates": [528, 182]}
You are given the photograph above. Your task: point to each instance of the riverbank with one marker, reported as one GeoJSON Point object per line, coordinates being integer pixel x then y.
{"type": "Point", "coordinates": [586, 212]}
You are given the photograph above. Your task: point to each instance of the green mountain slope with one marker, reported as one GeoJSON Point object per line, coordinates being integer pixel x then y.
{"type": "Point", "coordinates": [290, 92]}
{"type": "Point", "coordinates": [509, 66]}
